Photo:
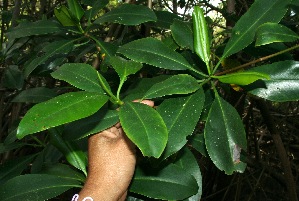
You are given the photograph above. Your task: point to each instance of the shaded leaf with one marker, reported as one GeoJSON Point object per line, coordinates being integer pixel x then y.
{"type": "Point", "coordinates": [33, 28]}
{"type": "Point", "coordinates": [57, 47]}
{"type": "Point", "coordinates": [95, 123]}
{"type": "Point", "coordinates": [128, 14]}
{"type": "Point", "coordinates": [198, 142]}
{"type": "Point", "coordinates": [73, 154]}
{"type": "Point", "coordinates": [242, 78]}
{"type": "Point", "coordinates": [164, 19]}
{"type": "Point", "coordinates": [182, 33]}
{"type": "Point", "coordinates": [177, 84]}
{"type": "Point", "coordinates": [283, 84]}
{"type": "Point", "coordinates": [60, 110]}
{"type": "Point", "coordinates": [180, 116]}
{"type": "Point", "coordinates": [76, 9]}
{"type": "Point", "coordinates": [80, 75]}
{"type": "Point", "coordinates": [201, 35]}
{"type": "Point", "coordinates": [63, 16]}
{"type": "Point", "coordinates": [95, 8]}
{"type": "Point", "coordinates": [35, 187]}
{"type": "Point", "coordinates": [144, 127]}
{"type": "Point", "coordinates": [154, 52]}
{"type": "Point", "coordinates": [260, 12]}
{"type": "Point", "coordinates": [169, 183]}
{"type": "Point", "coordinates": [13, 78]}
{"type": "Point", "coordinates": [188, 162]}
{"type": "Point", "coordinates": [224, 133]}
{"type": "Point", "coordinates": [35, 95]}
{"type": "Point", "coordinates": [273, 33]}
{"type": "Point", "coordinates": [14, 167]}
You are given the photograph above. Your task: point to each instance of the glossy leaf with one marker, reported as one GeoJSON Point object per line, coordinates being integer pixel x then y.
{"type": "Point", "coordinates": [182, 33]}
{"type": "Point", "coordinates": [273, 32]}
{"type": "Point", "coordinates": [57, 47]}
{"type": "Point", "coordinates": [63, 16]}
{"type": "Point", "coordinates": [170, 183]}
{"type": "Point", "coordinates": [283, 84]}
{"type": "Point", "coordinates": [177, 84]}
{"type": "Point", "coordinates": [14, 167]}
{"type": "Point", "coordinates": [260, 12]}
{"type": "Point", "coordinates": [180, 116]}
{"type": "Point", "coordinates": [154, 52]}
{"type": "Point", "coordinates": [188, 162]}
{"type": "Point", "coordinates": [201, 35]}
{"type": "Point", "coordinates": [60, 110]}
{"type": "Point", "coordinates": [35, 95]}
{"type": "Point", "coordinates": [80, 75]}
{"type": "Point", "coordinates": [73, 154]}
{"type": "Point", "coordinates": [224, 135]}
{"type": "Point", "coordinates": [144, 127]}
{"type": "Point", "coordinates": [33, 28]}
{"type": "Point", "coordinates": [123, 67]}
{"type": "Point", "coordinates": [13, 78]}
{"type": "Point", "coordinates": [44, 187]}
{"type": "Point", "coordinates": [76, 9]}
{"type": "Point", "coordinates": [128, 14]}
{"type": "Point", "coordinates": [95, 8]}
{"type": "Point", "coordinates": [242, 78]}
{"type": "Point", "coordinates": [95, 123]}
{"type": "Point", "coordinates": [197, 142]}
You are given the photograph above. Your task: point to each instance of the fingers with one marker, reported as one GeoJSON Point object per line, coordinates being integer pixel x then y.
{"type": "Point", "coordinates": [147, 102]}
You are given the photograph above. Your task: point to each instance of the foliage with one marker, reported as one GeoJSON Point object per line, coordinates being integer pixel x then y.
{"type": "Point", "coordinates": [93, 75]}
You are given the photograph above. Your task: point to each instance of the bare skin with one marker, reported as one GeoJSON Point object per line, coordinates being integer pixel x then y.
{"type": "Point", "coordinates": [112, 161]}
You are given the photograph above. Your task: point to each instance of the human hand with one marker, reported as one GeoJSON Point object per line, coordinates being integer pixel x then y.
{"type": "Point", "coordinates": [111, 158]}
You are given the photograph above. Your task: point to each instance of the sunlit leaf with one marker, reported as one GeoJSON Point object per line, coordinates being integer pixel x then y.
{"type": "Point", "coordinates": [60, 110]}
{"type": "Point", "coordinates": [242, 78]}
{"type": "Point", "coordinates": [63, 16]}
{"type": "Point", "coordinates": [144, 127]}
{"type": "Point", "coordinates": [225, 136]}
{"type": "Point", "coordinates": [76, 9]}
{"type": "Point", "coordinates": [177, 84]}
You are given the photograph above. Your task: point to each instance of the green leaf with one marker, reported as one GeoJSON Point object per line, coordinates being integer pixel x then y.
{"type": "Point", "coordinates": [14, 167]}
{"type": "Point", "coordinates": [57, 47]}
{"type": "Point", "coordinates": [35, 95]}
{"type": "Point", "coordinates": [283, 84]}
{"type": "Point", "coordinates": [123, 67]}
{"type": "Point", "coordinates": [144, 127]}
{"type": "Point", "coordinates": [177, 84]}
{"type": "Point", "coordinates": [75, 9]}
{"type": "Point", "coordinates": [154, 52]}
{"type": "Point", "coordinates": [164, 19]}
{"type": "Point", "coordinates": [96, 7]}
{"type": "Point", "coordinates": [182, 33]}
{"type": "Point", "coordinates": [33, 28]}
{"type": "Point", "coordinates": [8, 147]}
{"type": "Point", "coordinates": [242, 78]}
{"type": "Point", "coordinates": [80, 75]}
{"type": "Point", "coordinates": [95, 123]}
{"type": "Point", "coordinates": [13, 78]}
{"type": "Point", "coordinates": [64, 171]}
{"type": "Point", "coordinates": [273, 33]}
{"type": "Point", "coordinates": [35, 187]}
{"type": "Point", "coordinates": [225, 136]}
{"type": "Point", "coordinates": [180, 116]}
{"type": "Point", "coordinates": [128, 14]}
{"type": "Point", "coordinates": [169, 183]}
{"type": "Point", "coordinates": [188, 162]}
{"type": "Point", "coordinates": [260, 12]}
{"type": "Point", "coordinates": [198, 142]}
{"type": "Point", "coordinates": [60, 110]}
{"type": "Point", "coordinates": [73, 154]}
{"type": "Point", "coordinates": [201, 35]}
{"type": "Point", "coordinates": [63, 16]}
